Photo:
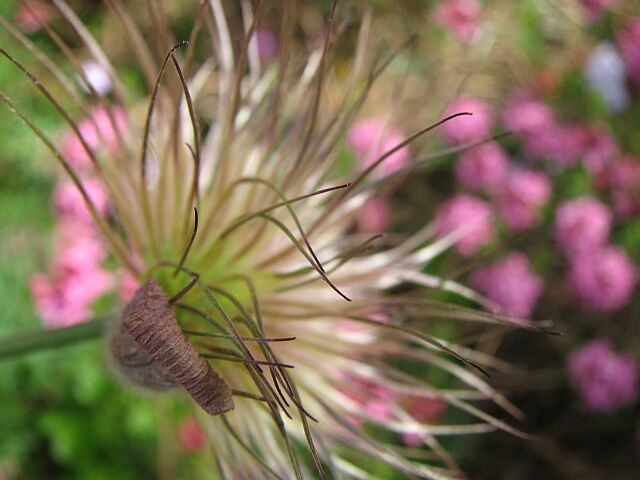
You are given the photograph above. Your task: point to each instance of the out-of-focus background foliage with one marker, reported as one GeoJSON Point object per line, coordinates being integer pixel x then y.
{"type": "Point", "coordinates": [62, 415]}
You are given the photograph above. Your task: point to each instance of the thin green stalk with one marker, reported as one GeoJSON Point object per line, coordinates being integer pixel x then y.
{"type": "Point", "coordinates": [39, 340]}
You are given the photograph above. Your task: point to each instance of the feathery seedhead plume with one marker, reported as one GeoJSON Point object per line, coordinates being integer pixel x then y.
{"type": "Point", "coordinates": [226, 207]}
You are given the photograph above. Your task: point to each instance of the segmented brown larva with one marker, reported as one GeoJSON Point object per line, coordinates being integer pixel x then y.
{"type": "Point", "coordinates": [152, 325]}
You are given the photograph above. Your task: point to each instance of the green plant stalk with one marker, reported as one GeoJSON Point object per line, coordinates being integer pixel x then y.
{"type": "Point", "coordinates": [39, 340]}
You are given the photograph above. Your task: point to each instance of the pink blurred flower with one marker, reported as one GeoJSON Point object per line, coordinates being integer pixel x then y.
{"type": "Point", "coordinates": [525, 116]}
{"type": "Point", "coordinates": [55, 306]}
{"type": "Point", "coordinates": [469, 215]}
{"type": "Point", "coordinates": [460, 17]}
{"type": "Point", "coordinates": [520, 198]}
{"type": "Point", "coordinates": [376, 400]}
{"type": "Point", "coordinates": [469, 127]}
{"type": "Point", "coordinates": [32, 14]}
{"type": "Point", "coordinates": [595, 8]}
{"type": "Point", "coordinates": [76, 280]}
{"type": "Point", "coordinates": [423, 410]}
{"type": "Point", "coordinates": [603, 279]}
{"type": "Point", "coordinates": [97, 131]}
{"type": "Point", "coordinates": [375, 216]}
{"type": "Point", "coordinates": [69, 203]}
{"type": "Point", "coordinates": [629, 43]}
{"type": "Point", "coordinates": [605, 379]}
{"type": "Point", "coordinates": [561, 144]}
{"type": "Point", "coordinates": [483, 167]}
{"type": "Point", "coordinates": [582, 225]}
{"type": "Point", "coordinates": [372, 138]}
{"type": "Point", "coordinates": [600, 152]}
{"type": "Point", "coordinates": [192, 438]}
{"type": "Point", "coordinates": [624, 179]}
{"type": "Point", "coordinates": [511, 284]}
{"type": "Point", "coordinates": [267, 44]}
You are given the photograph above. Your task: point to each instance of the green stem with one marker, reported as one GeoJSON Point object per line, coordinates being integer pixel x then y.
{"type": "Point", "coordinates": [39, 340]}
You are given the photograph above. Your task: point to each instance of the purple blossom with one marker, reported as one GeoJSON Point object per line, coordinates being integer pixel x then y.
{"type": "Point", "coordinates": [483, 167]}
{"type": "Point", "coordinates": [606, 73]}
{"type": "Point", "coordinates": [582, 225]}
{"type": "Point", "coordinates": [460, 17]}
{"type": "Point", "coordinates": [520, 198]}
{"type": "Point", "coordinates": [468, 215]}
{"type": "Point", "coordinates": [471, 127]}
{"type": "Point", "coordinates": [267, 44]}
{"type": "Point", "coordinates": [603, 279]}
{"type": "Point", "coordinates": [604, 379]}
{"type": "Point", "coordinates": [511, 284]}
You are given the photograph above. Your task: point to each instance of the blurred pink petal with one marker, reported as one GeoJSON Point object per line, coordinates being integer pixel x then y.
{"type": "Point", "coordinates": [521, 197]}
{"type": "Point", "coordinates": [603, 279]}
{"type": "Point", "coordinates": [371, 138]}
{"type": "Point", "coordinates": [595, 8]}
{"type": "Point", "coordinates": [483, 167]}
{"type": "Point", "coordinates": [470, 215]}
{"type": "Point", "coordinates": [192, 438]}
{"type": "Point", "coordinates": [582, 225]}
{"type": "Point", "coordinates": [525, 116]}
{"type": "Point", "coordinates": [629, 43]}
{"type": "Point", "coordinates": [32, 14]}
{"type": "Point", "coordinates": [375, 216]}
{"type": "Point", "coordinates": [70, 205]}
{"type": "Point", "coordinates": [511, 284]}
{"type": "Point", "coordinates": [460, 17]}
{"type": "Point", "coordinates": [624, 179]}
{"type": "Point", "coordinates": [468, 128]}
{"type": "Point", "coordinates": [605, 379]}
{"type": "Point", "coordinates": [97, 131]}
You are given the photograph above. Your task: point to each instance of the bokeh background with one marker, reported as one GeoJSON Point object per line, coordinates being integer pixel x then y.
{"type": "Point", "coordinates": [555, 207]}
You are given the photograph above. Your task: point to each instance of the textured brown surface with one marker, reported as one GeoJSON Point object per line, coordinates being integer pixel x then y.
{"type": "Point", "coordinates": [151, 322]}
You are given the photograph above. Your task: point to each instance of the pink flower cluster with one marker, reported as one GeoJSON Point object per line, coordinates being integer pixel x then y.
{"type": "Point", "coordinates": [99, 131]}
{"type": "Point", "coordinates": [460, 17]}
{"type": "Point", "coordinates": [468, 128]}
{"type": "Point", "coordinates": [582, 225]}
{"type": "Point", "coordinates": [603, 279]}
{"type": "Point", "coordinates": [470, 218]}
{"type": "Point", "coordinates": [76, 278]}
{"type": "Point", "coordinates": [629, 43]}
{"type": "Point", "coordinates": [511, 284]}
{"type": "Point", "coordinates": [370, 139]}
{"type": "Point", "coordinates": [605, 379]}
{"type": "Point", "coordinates": [483, 168]}
{"type": "Point", "coordinates": [521, 197]}
{"type": "Point", "coordinates": [596, 8]}
{"type": "Point", "coordinates": [600, 275]}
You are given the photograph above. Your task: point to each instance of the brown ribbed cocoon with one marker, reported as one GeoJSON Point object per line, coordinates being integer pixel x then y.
{"type": "Point", "coordinates": [152, 324]}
